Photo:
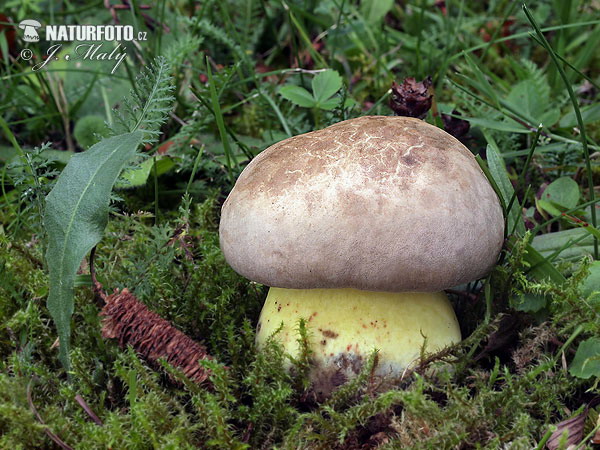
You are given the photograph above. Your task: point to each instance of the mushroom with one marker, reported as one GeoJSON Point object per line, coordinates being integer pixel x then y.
{"type": "Point", "coordinates": [30, 26]}
{"type": "Point", "coordinates": [358, 228]}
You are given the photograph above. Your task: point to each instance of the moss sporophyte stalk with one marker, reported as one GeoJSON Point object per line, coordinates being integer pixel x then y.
{"type": "Point", "coordinates": [358, 228]}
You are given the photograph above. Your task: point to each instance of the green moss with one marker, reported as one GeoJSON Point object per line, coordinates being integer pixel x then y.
{"type": "Point", "coordinates": [507, 397]}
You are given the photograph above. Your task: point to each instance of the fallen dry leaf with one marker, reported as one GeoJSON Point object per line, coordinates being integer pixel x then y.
{"type": "Point", "coordinates": [574, 429]}
{"type": "Point", "coordinates": [596, 438]}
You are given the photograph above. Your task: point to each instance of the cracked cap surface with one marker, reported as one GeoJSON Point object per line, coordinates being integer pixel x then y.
{"type": "Point", "coordinates": [375, 203]}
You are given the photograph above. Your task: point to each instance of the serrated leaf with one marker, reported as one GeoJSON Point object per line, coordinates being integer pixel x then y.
{"type": "Point", "coordinates": [8, 154]}
{"type": "Point", "coordinates": [525, 98]}
{"type": "Point", "coordinates": [324, 85]}
{"type": "Point", "coordinates": [75, 217]}
{"type": "Point", "coordinates": [148, 106]}
{"type": "Point", "coordinates": [297, 95]}
{"type": "Point", "coordinates": [586, 362]}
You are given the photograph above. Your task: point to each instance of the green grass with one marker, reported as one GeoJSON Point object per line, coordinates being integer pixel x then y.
{"type": "Point", "coordinates": [504, 68]}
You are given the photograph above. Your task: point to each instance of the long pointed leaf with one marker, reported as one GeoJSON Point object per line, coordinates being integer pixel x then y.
{"type": "Point", "coordinates": [498, 171]}
{"type": "Point", "coordinates": [75, 217]}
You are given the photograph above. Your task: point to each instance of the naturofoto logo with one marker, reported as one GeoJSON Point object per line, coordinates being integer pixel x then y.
{"type": "Point", "coordinates": [98, 42]}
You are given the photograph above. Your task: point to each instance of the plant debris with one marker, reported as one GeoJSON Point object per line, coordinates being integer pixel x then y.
{"type": "Point", "coordinates": [504, 335]}
{"type": "Point", "coordinates": [411, 98]}
{"type": "Point", "coordinates": [132, 323]}
{"type": "Point", "coordinates": [574, 432]}
{"type": "Point", "coordinates": [54, 437]}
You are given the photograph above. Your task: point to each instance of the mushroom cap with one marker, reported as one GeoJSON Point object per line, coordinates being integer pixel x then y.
{"type": "Point", "coordinates": [375, 203]}
{"type": "Point", "coordinates": [29, 23]}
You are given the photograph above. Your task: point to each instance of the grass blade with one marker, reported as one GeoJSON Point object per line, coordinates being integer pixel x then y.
{"type": "Point", "coordinates": [586, 152]}
{"type": "Point", "coordinates": [498, 171]}
{"type": "Point", "coordinates": [220, 122]}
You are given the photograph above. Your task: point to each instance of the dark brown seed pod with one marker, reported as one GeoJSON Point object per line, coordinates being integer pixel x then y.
{"type": "Point", "coordinates": [130, 322]}
{"type": "Point", "coordinates": [411, 98]}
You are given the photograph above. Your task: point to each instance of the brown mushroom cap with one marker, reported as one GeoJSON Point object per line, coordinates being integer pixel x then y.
{"type": "Point", "coordinates": [375, 203]}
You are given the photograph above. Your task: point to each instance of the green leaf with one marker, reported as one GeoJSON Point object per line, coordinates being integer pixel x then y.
{"type": "Point", "coordinates": [589, 114]}
{"type": "Point", "coordinates": [587, 227]}
{"type": "Point", "coordinates": [83, 280]}
{"type": "Point", "coordinates": [548, 207]}
{"type": "Point", "coordinates": [480, 80]}
{"type": "Point", "coordinates": [374, 11]}
{"type": "Point", "coordinates": [7, 154]}
{"type": "Point", "coordinates": [569, 245]}
{"type": "Point", "coordinates": [563, 191]}
{"type": "Point", "coordinates": [586, 362]}
{"type": "Point", "coordinates": [218, 113]}
{"type": "Point", "coordinates": [60, 156]}
{"type": "Point", "coordinates": [324, 85]}
{"type": "Point", "coordinates": [529, 99]}
{"type": "Point", "coordinates": [541, 268]}
{"type": "Point", "coordinates": [592, 281]}
{"type": "Point", "coordinates": [509, 125]}
{"type": "Point", "coordinates": [530, 303]}
{"type": "Point", "coordinates": [498, 171]}
{"type": "Point", "coordinates": [149, 104]}
{"type": "Point", "coordinates": [75, 217]}
{"type": "Point", "coordinates": [330, 104]}
{"type": "Point", "coordinates": [138, 176]}
{"type": "Point", "coordinates": [297, 95]}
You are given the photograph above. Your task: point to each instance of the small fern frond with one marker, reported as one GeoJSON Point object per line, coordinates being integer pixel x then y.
{"type": "Point", "coordinates": [149, 104]}
{"type": "Point", "coordinates": [33, 175]}
{"type": "Point", "coordinates": [216, 33]}
{"type": "Point", "coordinates": [182, 49]}
{"type": "Point", "coordinates": [533, 72]}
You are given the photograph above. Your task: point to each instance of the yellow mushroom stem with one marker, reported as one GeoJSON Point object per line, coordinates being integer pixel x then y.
{"type": "Point", "coordinates": [346, 325]}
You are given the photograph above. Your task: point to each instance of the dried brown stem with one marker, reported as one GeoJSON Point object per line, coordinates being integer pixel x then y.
{"type": "Point", "coordinates": [89, 411]}
{"type": "Point", "coordinates": [58, 441]}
